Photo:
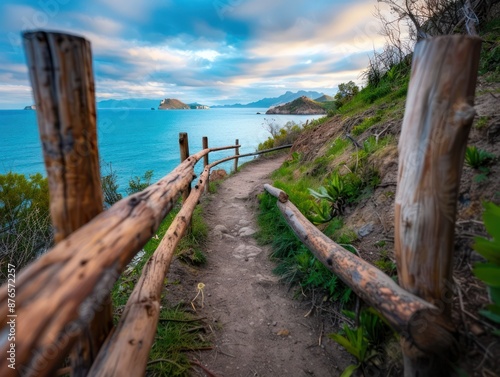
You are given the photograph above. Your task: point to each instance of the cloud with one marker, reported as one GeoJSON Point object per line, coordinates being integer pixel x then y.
{"type": "Point", "coordinates": [221, 49]}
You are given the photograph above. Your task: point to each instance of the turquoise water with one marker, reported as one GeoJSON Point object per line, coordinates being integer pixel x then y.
{"type": "Point", "coordinates": [135, 141]}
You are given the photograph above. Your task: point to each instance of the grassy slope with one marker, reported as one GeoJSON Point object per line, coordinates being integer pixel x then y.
{"type": "Point", "coordinates": [368, 173]}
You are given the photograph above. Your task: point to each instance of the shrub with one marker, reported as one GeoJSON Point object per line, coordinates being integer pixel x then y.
{"type": "Point", "coordinates": [25, 228]}
{"type": "Point", "coordinates": [138, 184]}
{"type": "Point", "coordinates": [284, 135]}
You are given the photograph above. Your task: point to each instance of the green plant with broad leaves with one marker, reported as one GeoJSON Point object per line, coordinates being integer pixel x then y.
{"type": "Point", "coordinates": [477, 158]}
{"type": "Point", "coordinates": [363, 342]}
{"type": "Point", "coordinates": [489, 271]}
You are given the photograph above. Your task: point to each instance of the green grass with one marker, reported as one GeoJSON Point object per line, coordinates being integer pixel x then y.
{"type": "Point", "coordinates": [177, 333]}
{"type": "Point", "coordinates": [482, 122]}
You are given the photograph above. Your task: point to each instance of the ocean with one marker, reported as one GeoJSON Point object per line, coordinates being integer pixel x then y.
{"type": "Point", "coordinates": [136, 140]}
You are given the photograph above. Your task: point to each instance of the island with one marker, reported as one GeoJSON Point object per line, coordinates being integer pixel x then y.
{"type": "Point", "coordinates": [175, 104]}
{"type": "Point", "coordinates": [31, 107]}
{"type": "Point", "coordinates": [300, 106]}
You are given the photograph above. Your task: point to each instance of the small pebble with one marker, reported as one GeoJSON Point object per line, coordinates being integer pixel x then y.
{"type": "Point", "coordinates": [275, 323]}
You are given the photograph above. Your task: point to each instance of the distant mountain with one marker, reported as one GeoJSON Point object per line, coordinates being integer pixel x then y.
{"type": "Point", "coordinates": [325, 98]}
{"type": "Point", "coordinates": [268, 102]}
{"type": "Point", "coordinates": [300, 106]}
{"type": "Point", "coordinates": [131, 103]}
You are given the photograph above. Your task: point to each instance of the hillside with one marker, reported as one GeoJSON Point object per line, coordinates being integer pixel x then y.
{"type": "Point", "coordinates": [301, 106]}
{"type": "Point", "coordinates": [172, 104]}
{"type": "Point", "coordinates": [325, 98]}
{"type": "Point", "coordinates": [359, 144]}
{"type": "Point", "coordinates": [268, 102]}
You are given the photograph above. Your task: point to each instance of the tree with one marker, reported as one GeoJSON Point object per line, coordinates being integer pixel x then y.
{"type": "Point", "coordinates": [137, 183]}
{"type": "Point", "coordinates": [346, 92]}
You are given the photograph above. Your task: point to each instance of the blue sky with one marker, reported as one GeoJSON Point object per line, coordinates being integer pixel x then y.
{"type": "Point", "coordinates": [209, 51]}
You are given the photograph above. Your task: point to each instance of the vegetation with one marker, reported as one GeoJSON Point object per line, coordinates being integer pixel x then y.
{"type": "Point", "coordinates": [324, 186]}
{"type": "Point", "coordinates": [365, 342]}
{"type": "Point", "coordinates": [109, 185]}
{"type": "Point", "coordinates": [489, 271]}
{"type": "Point", "coordinates": [479, 160]}
{"type": "Point", "coordinates": [280, 135]}
{"type": "Point", "coordinates": [345, 93]}
{"type": "Point", "coordinates": [25, 228]}
{"type": "Point", "coordinates": [137, 183]}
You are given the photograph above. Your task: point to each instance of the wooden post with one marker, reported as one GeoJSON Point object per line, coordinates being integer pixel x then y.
{"type": "Point", "coordinates": [204, 143]}
{"type": "Point", "coordinates": [184, 147]}
{"type": "Point", "coordinates": [60, 68]}
{"type": "Point", "coordinates": [431, 151]}
{"type": "Point", "coordinates": [237, 153]}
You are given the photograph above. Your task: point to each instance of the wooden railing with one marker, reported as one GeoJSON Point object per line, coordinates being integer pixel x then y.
{"type": "Point", "coordinates": [62, 299]}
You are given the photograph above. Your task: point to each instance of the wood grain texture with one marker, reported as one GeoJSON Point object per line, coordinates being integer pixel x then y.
{"type": "Point", "coordinates": [439, 114]}
{"type": "Point", "coordinates": [60, 67]}
{"type": "Point", "coordinates": [412, 317]}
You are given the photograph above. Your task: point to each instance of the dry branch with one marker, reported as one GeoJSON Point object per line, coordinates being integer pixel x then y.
{"type": "Point", "coordinates": [409, 315]}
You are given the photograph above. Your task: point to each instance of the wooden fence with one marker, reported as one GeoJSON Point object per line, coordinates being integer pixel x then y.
{"type": "Point", "coordinates": [62, 303]}
{"type": "Point", "coordinates": [73, 310]}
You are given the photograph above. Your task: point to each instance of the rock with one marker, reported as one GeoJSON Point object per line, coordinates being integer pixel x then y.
{"type": "Point", "coordinates": [283, 332]}
{"type": "Point", "coordinates": [220, 230]}
{"type": "Point", "coordinates": [218, 174]}
{"type": "Point", "coordinates": [246, 231]}
{"type": "Point", "coordinates": [365, 230]}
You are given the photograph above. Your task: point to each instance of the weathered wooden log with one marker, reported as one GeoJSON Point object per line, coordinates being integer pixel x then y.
{"type": "Point", "coordinates": [60, 67]}
{"type": "Point", "coordinates": [126, 352]}
{"type": "Point", "coordinates": [412, 317]}
{"type": "Point", "coordinates": [439, 114]}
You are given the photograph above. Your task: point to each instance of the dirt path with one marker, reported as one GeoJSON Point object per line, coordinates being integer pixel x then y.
{"type": "Point", "coordinates": [259, 329]}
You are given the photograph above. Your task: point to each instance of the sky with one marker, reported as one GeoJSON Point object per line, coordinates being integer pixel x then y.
{"type": "Point", "coordinates": [206, 51]}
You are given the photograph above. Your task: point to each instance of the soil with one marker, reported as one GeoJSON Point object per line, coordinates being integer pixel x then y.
{"type": "Point", "coordinates": [256, 325]}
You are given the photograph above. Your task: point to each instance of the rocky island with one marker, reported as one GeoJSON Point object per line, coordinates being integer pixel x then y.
{"type": "Point", "coordinates": [31, 107]}
{"type": "Point", "coordinates": [301, 106]}
{"type": "Point", "coordinates": [175, 104]}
